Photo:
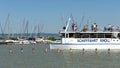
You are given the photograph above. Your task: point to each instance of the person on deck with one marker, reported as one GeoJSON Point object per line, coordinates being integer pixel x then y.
{"type": "Point", "coordinates": [73, 26]}
{"type": "Point", "coordinates": [95, 27]}
{"type": "Point", "coordinates": [92, 27]}
{"type": "Point", "coordinates": [85, 28]}
{"type": "Point", "coordinates": [109, 27]}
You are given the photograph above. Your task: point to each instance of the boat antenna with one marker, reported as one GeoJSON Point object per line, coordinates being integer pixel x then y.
{"type": "Point", "coordinates": [89, 20]}
{"type": "Point", "coordinates": [82, 19]}
{"type": "Point", "coordinates": [72, 18]}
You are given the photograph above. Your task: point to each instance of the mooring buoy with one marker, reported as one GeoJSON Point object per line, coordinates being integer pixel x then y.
{"type": "Point", "coordinates": [58, 50]}
{"type": "Point", "coordinates": [21, 50]}
{"type": "Point", "coordinates": [108, 49]}
{"type": "Point", "coordinates": [10, 50]}
{"type": "Point", "coordinates": [83, 49]}
{"type": "Point", "coordinates": [70, 50]}
{"type": "Point", "coordinates": [46, 49]}
{"type": "Point", "coordinates": [33, 50]}
{"type": "Point", "coordinates": [96, 50]}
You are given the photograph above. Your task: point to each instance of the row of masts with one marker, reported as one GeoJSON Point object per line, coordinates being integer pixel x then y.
{"type": "Point", "coordinates": [78, 27]}
{"type": "Point", "coordinates": [24, 29]}
{"type": "Point", "coordinates": [71, 25]}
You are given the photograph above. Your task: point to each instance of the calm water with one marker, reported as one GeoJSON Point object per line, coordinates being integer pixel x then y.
{"type": "Point", "coordinates": [35, 56]}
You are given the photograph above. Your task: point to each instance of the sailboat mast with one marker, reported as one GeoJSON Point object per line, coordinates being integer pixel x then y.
{"type": "Point", "coordinates": [1, 30]}
{"type": "Point", "coordinates": [27, 27]}
{"type": "Point", "coordinates": [8, 22]}
{"type": "Point", "coordinates": [38, 30]}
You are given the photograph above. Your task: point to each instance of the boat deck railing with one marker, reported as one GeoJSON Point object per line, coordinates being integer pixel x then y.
{"type": "Point", "coordinates": [90, 31]}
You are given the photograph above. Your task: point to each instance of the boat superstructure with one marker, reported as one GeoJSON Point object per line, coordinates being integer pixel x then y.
{"type": "Point", "coordinates": [108, 38]}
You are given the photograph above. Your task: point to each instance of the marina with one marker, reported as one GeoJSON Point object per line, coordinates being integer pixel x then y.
{"type": "Point", "coordinates": [59, 34]}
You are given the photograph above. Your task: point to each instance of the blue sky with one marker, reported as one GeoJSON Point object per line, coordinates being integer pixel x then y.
{"type": "Point", "coordinates": [51, 15]}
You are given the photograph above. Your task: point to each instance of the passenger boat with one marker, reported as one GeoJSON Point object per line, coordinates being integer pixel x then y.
{"type": "Point", "coordinates": [108, 38]}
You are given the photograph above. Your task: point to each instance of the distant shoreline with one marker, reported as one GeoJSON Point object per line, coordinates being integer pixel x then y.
{"type": "Point", "coordinates": [31, 34]}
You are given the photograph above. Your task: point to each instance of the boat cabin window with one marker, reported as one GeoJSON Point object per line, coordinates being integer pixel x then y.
{"type": "Point", "coordinates": [70, 35]}
{"type": "Point", "coordinates": [87, 35]}
{"type": "Point", "coordinates": [84, 35]}
{"type": "Point", "coordinates": [101, 35]}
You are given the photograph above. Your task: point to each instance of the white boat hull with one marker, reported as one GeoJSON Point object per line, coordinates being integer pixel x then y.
{"type": "Point", "coordinates": [80, 46]}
